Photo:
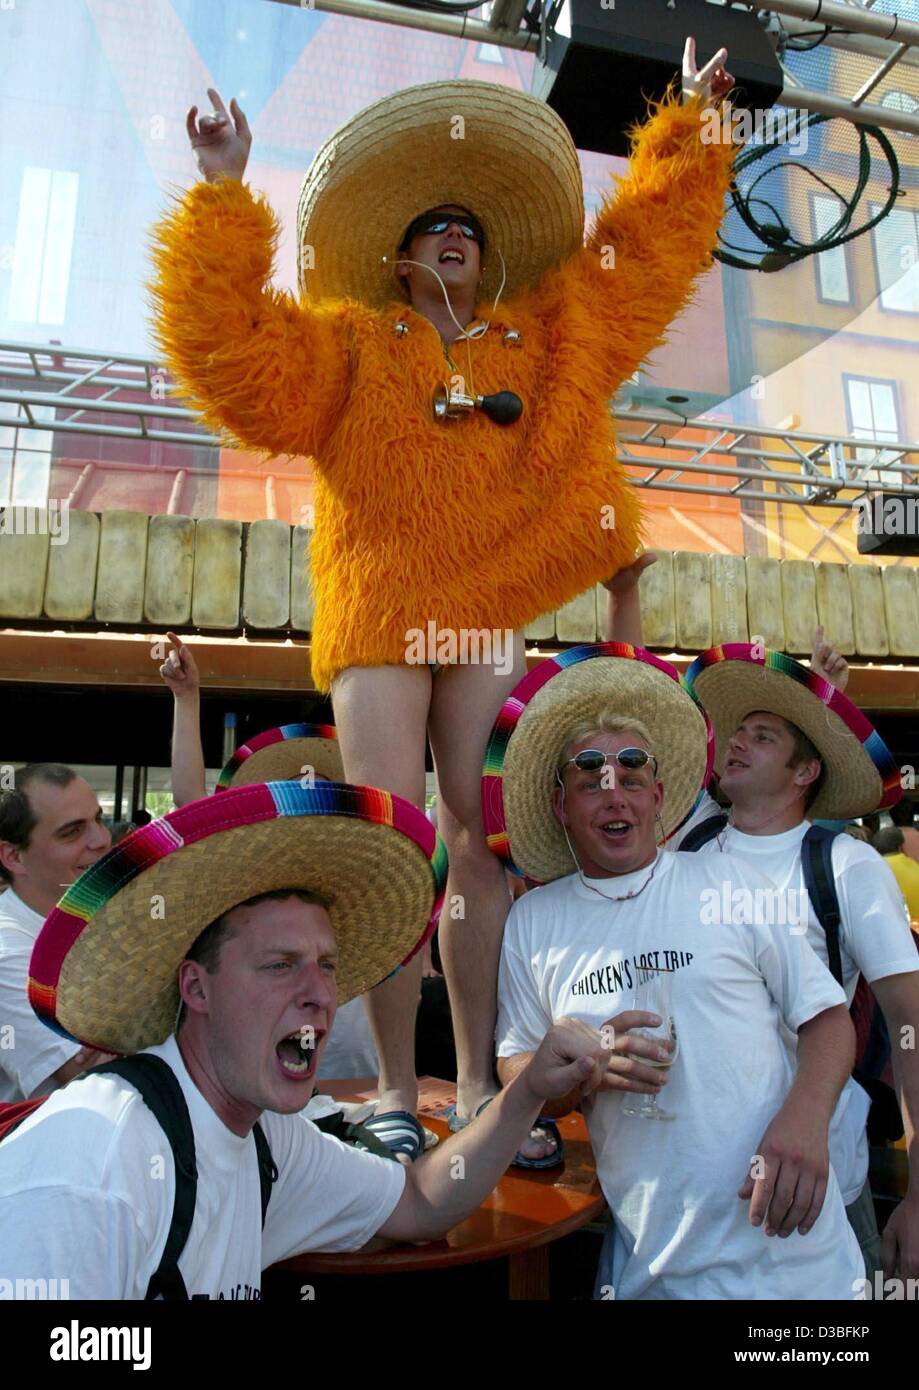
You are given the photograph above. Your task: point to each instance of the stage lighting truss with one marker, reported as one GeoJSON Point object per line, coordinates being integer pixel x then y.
{"type": "Point", "coordinates": [69, 391]}
{"type": "Point", "coordinates": [854, 26]}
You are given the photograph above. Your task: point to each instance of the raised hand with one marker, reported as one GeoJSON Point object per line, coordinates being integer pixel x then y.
{"type": "Point", "coordinates": [828, 662]}
{"type": "Point", "coordinates": [179, 670]}
{"type": "Point", "coordinates": [629, 575]}
{"type": "Point", "coordinates": [712, 81]}
{"type": "Point", "coordinates": [221, 140]}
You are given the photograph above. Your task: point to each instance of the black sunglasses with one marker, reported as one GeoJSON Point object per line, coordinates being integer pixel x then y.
{"type": "Point", "coordinates": [592, 760]}
{"type": "Point", "coordinates": [434, 223]}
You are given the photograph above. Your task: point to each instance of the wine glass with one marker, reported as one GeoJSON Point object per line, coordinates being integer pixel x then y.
{"type": "Point", "coordinates": [652, 995]}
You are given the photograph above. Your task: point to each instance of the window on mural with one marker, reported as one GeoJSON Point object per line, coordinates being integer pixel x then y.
{"type": "Point", "coordinates": [896, 248]}
{"type": "Point", "coordinates": [45, 222]}
{"type": "Point", "coordinates": [832, 267]}
{"type": "Point", "coordinates": [873, 412]}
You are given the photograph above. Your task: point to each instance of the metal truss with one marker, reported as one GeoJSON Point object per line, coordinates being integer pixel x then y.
{"type": "Point", "coordinates": [66, 391]}
{"type": "Point", "coordinates": [884, 36]}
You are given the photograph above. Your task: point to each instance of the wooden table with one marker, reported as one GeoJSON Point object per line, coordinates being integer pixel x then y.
{"type": "Point", "coordinates": [525, 1213]}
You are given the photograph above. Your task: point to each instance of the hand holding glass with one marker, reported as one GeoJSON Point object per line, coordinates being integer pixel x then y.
{"type": "Point", "coordinates": [652, 994]}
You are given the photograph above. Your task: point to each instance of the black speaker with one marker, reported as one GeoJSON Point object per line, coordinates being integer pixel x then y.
{"type": "Point", "coordinates": [604, 60]}
{"type": "Point", "coordinates": [888, 524]}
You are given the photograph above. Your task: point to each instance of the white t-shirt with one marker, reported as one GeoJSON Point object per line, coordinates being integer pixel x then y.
{"type": "Point", "coordinates": [349, 1049]}
{"type": "Point", "coordinates": [874, 940]}
{"type": "Point", "coordinates": [30, 1051]}
{"type": "Point", "coordinates": [87, 1187]}
{"type": "Point", "coordinates": [681, 1231]}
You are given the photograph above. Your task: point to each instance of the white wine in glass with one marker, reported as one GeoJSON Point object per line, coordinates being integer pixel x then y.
{"type": "Point", "coordinates": [652, 995]}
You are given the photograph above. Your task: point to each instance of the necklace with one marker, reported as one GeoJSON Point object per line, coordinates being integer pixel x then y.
{"type": "Point", "coordinates": [623, 897]}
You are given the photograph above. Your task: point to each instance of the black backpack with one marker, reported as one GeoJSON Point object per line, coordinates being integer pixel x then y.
{"type": "Point", "coordinates": [159, 1087]}
{"type": "Point", "coordinates": [872, 1068]}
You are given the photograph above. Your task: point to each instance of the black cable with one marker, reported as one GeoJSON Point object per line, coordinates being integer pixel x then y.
{"type": "Point", "coordinates": [776, 236]}
{"type": "Point", "coordinates": [442, 6]}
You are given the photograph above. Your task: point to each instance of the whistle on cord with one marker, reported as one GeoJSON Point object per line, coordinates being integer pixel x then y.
{"type": "Point", "coordinates": [503, 408]}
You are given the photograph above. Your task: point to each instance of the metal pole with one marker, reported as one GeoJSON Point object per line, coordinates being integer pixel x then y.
{"type": "Point", "coordinates": [459, 26]}
{"type": "Point", "coordinates": [856, 20]}
{"type": "Point", "coordinates": [807, 100]}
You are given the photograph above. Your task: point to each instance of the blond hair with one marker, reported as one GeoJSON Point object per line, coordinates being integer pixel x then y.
{"type": "Point", "coordinates": [603, 724]}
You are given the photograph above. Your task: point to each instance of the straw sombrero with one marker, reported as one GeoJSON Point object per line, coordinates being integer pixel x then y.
{"type": "Point", "coordinates": [103, 968]}
{"type": "Point", "coordinates": [734, 680]}
{"type": "Point", "coordinates": [533, 726]}
{"type": "Point", "coordinates": [501, 154]}
{"type": "Point", "coordinates": [282, 753]}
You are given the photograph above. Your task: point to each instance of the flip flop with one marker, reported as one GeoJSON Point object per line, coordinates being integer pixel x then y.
{"type": "Point", "coordinates": [552, 1160]}
{"type": "Point", "coordinates": [400, 1132]}
{"type": "Point", "coordinates": [455, 1123]}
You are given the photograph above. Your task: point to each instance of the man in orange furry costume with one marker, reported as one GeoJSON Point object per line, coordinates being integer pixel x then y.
{"type": "Point", "coordinates": [435, 535]}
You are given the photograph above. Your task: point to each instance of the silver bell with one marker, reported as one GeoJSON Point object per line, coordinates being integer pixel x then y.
{"type": "Point", "coordinates": [400, 328]}
{"type": "Point", "coordinates": [512, 337]}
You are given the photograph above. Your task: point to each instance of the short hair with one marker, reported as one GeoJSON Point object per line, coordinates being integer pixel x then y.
{"type": "Point", "coordinates": [207, 945]}
{"type": "Point", "coordinates": [606, 722]}
{"type": "Point", "coordinates": [903, 813]}
{"type": "Point", "coordinates": [17, 818]}
{"type": "Point", "coordinates": [805, 752]}
{"type": "Point", "coordinates": [888, 840]}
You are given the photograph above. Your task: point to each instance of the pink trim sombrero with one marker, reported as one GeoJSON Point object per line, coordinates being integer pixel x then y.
{"type": "Point", "coordinates": [103, 968]}
{"type": "Point", "coordinates": [533, 727]}
{"type": "Point", "coordinates": [734, 680]}
{"type": "Point", "coordinates": [290, 751]}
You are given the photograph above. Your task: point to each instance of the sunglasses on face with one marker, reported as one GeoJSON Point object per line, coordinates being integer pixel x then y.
{"type": "Point", "coordinates": [592, 760]}
{"type": "Point", "coordinates": [434, 223]}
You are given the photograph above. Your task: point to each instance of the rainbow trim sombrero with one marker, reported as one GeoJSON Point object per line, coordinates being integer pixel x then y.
{"type": "Point", "coordinates": [289, 751]}
{"type": "Point", "coordinates": [734, 680]}
{"type": "Point", "coordinates": [103, 968]}
{"type": "Point", "coordinates": [531, 730]}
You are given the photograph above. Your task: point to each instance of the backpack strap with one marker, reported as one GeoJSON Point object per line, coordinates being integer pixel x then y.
{"type": "Point", "coordinates": [161, 1093]}
{"type": "Point", "coordinates": [817, 863]}
{"type": "Point", "coordinates": [703, 832]}
{"type": "Point", "coordinates": [267, 1168]}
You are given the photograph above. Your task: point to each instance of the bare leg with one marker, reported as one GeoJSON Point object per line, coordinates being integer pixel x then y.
{"type": "Point", "coordinates": [380, 714]}
{"type": "Point", "coordinates": [465, 703]}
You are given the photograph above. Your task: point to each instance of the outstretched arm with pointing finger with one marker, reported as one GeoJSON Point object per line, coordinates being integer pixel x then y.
{"type": "Point", "coordinates": [264, 371]}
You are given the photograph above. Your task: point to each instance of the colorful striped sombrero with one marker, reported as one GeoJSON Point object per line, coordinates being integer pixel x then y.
{"type": "Point", "coordinates": [734, 680]}
{"type": "Point", "coordinates": [290, 751]}
{"type": "Point", "coordinates": [103, 968]}
{"type": "Point", "coordinates": [533, 727]}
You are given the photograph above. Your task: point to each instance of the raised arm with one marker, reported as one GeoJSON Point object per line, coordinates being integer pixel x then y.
{"type": "Point", "coordinates": [264, 371]}
{"type": "Point", "coordinates": [180, 673]}
{"type": "Point", "coordinates": [654, 234]}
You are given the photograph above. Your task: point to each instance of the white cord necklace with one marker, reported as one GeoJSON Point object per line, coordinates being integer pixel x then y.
{"type": "Point", "coordinates": [610, 897]}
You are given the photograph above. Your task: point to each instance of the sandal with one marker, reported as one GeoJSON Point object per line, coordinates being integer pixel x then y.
{"type": "Point", "coordinates": [455, 1124]}
{"type": "Point", "coordinates": [400, 1132]}
{"type": "Point", "coordinates": [552, 1160]}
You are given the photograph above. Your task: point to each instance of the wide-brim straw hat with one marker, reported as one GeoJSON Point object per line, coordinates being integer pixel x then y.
{"type": "Point", "coordinates": [103, 968]}
{"type": "Point", "coordinates": [289, 751]}
{"type": "Point", "coordinates": [733, 680]}
{"type": "Point", "coordinates": [501, 154]}
{"type": "Point", "coordinates": [535, 723]}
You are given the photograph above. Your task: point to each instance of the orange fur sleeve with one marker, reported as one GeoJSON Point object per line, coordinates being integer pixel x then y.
{"type": "Point", "coordinates": [652, 237]}
{"type": "Point", "coordinates": [264, 371]}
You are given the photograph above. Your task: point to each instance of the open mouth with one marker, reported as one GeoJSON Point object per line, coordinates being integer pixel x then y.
{"type": "Point", "coordinates": [733, 763]}
{"type": "Point", "coordinates": [297, 1053]}
{"type": "Point", "coordinates": [614, 829]}
{"type": "Point", "coordinates": [451, 254]}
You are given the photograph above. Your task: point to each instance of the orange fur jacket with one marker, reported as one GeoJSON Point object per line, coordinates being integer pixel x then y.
{"type": "Point", "coordinates": [462, 522]}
